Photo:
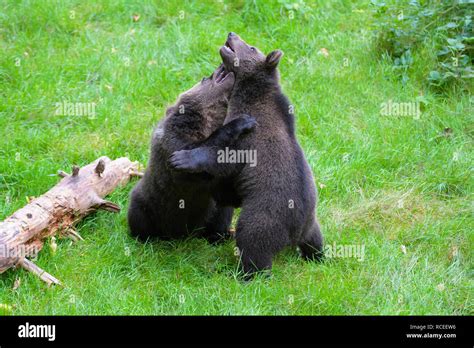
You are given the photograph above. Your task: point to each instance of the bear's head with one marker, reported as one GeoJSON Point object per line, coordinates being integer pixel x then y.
{"type": "Point", "coordinates": [204, 106]}
{"type": "Point", "coordinates": [248, 61]}
{"type": "Point", "coordinates": [210, 90]}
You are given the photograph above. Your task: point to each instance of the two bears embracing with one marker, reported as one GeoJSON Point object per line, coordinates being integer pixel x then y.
{"type": "Point", "coordinates": [188, 187]}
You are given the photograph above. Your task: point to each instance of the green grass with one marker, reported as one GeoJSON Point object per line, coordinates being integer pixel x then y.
{"type": "Point", "coordinates": [387, 181]}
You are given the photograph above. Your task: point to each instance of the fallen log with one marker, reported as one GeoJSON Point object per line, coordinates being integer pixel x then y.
{"type": "Point", "coordinates": [58, 210]}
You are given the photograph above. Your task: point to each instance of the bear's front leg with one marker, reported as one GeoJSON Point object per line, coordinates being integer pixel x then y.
{"type": "Point", "coordinates": [203, 157]}
{"type": "Point", "coordinates": [196, 160]}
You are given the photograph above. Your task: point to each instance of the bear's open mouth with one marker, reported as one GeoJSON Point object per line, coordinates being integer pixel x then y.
{"type": "Point", "coordinates": [228, 46]}
{"type": "Point", "coordinates": [220, 74]}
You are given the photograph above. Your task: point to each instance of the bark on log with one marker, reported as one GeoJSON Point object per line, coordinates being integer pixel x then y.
{"type": "Point", "coordinates": [56, 211]}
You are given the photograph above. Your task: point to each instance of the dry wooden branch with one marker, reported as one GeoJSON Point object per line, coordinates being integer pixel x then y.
{"type": "Point", "coordinates": [72, 233]}
{"type": "Point", "coordinates": [45, 276]}
{"type": "Point", "coordinates": [56, 211]}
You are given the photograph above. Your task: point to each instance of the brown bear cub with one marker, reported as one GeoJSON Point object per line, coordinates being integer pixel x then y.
{"type": "Point", "coordinates": [167, 204]}
{"type": "Point", "coordinates": [278, 195]}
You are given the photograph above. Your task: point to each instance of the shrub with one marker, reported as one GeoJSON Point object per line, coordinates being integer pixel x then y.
{"type": "Point", "coordinates": [401, 27]}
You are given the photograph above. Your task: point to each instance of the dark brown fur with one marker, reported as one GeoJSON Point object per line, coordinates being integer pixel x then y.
{"type": "Point", "coordinates": [167, 204]}
{"type": "Point", "coordinates": [278, 196]}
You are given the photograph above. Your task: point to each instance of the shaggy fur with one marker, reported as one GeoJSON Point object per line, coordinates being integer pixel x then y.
{"type": "Point", "coordinates": [278, 195]}
{"type": "Point", "coordinates": [167, 204]}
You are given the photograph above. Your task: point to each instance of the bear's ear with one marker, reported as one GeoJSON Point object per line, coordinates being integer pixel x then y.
{"type": "Point", "coordinates": [273, 58]}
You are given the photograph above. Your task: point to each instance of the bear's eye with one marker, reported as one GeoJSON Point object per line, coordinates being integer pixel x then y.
{"type": "Point", "coordinates": [253, 49]}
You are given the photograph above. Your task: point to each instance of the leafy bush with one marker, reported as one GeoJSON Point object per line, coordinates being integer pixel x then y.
{"type": "Point", "coordinates": [402, 27]}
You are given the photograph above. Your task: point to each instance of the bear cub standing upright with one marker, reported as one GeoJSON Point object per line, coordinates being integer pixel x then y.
{"type": "Point", "coordinates": [278, 195]}
{"type": "Point", "coordinates": [167, 204]}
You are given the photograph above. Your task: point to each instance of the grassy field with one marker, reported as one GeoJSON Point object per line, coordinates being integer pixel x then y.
{"type": "Point", "coordinates": [399, 186]}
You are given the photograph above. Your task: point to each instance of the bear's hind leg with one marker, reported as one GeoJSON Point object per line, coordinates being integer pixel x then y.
{"type": "Point", "coordinates": [259, 238]}
{"type": "Point", "coordinates": [312, 245]}
{"type": "Point", "coordinates": [139, 218]}
{"type": "Point", "coordinates": [218, 224]}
